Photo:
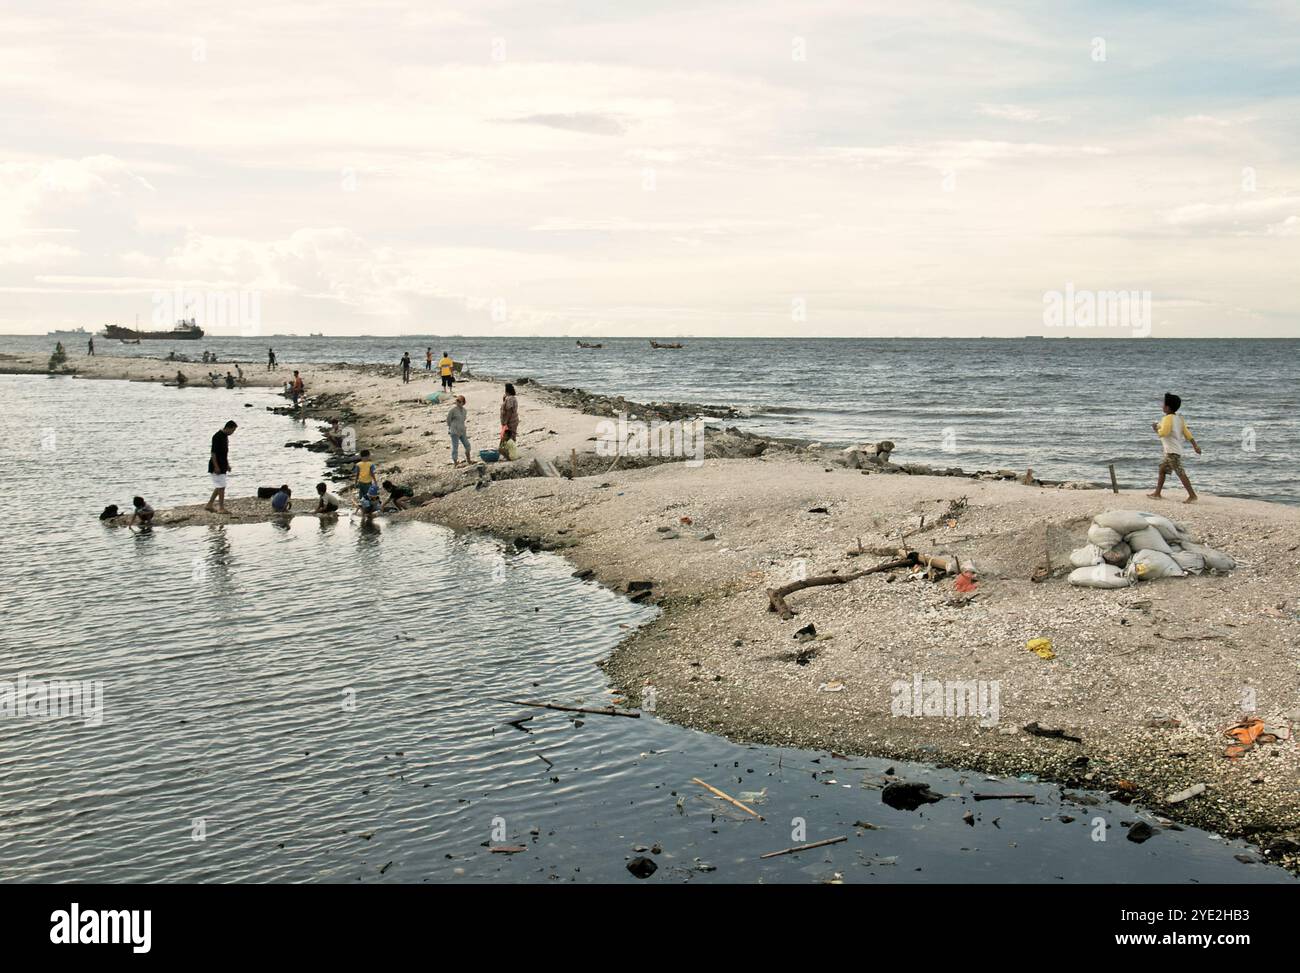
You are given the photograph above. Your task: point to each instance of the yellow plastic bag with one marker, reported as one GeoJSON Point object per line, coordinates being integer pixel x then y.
{"type": "Point", "coordinates": [1041, 648]}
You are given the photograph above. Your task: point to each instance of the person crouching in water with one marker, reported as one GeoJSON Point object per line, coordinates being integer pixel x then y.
{"type": "Point", "coordinates": [327, 503]}
{"type": "Point", "coordinates": [280, 501]}
{"type": "Point", "coordinates": [369, 502]}
{"type": "Point", "coordinates": [459, 434]}
{"type": "Point", "coordinates": [399, 496]}
{"type": "Point", "coordinates": [142, 514]}
{"type": "Point", "coordinates": [1172, 430]}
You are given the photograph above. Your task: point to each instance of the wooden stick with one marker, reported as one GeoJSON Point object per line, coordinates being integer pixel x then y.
{"type": "Point", "coordinates": [776, 596]}
{"type": "Point", "coordinates": [815, 844]}
{"type": "Point", "coordinates": [607, 711]}
{"type": "Point", "coordinates": [727, 797]}
{"type": "Point", "coordinates": [1114, 484]}
{"type": "Point", "coordinates": [1004, 797]}
{"type": "Point", "coordinates": [573, 464]}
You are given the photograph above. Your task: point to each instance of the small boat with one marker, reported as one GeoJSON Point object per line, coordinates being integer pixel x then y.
{"type": "Point", "coordinates": [72, 333]}
{"type": "Point", "coordinates": [668, 344]}
{"type": "Point", "coordinates": [316, 334]}
{"type": "Point", "coordinates": [587, 344]}
{"type": "Point", "coordinates": [184, 331]}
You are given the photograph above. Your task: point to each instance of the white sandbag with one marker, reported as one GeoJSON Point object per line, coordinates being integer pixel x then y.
{"type": "Point", "coordinates": [1099, 576]}
{"type": "Point", "coordinates": [1103, 537]}
{"type": "Point", "coordinates": [1168, 529]}
{"type": "Point", "coordinates": [1147, 539]}
{"type": "Point", "coordinates": [1086, 556]}
{"type": "Point", "coordinates": [1153, 565]}
{"type": "Point", "coordinates": [1121, 521]}
{"type": "Point", "coordinates": [1190, 561]}
{"type": "Point", "coordinates": [1214, 560]}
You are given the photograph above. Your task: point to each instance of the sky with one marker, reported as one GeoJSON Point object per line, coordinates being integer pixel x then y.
{"type": "Point", "coordinates": [761, 167]}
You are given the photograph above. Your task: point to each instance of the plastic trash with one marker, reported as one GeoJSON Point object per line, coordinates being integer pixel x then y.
{"type": "Point", "coordinates": [1041, 648]}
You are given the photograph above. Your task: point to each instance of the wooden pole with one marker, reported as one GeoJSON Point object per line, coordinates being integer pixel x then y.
{"type": "Point", "coordinates": [727, 797]}
{"type": "Point", "coordinates": [1114, 484]}
{"type": "Point", "coordinates": [814, 844]}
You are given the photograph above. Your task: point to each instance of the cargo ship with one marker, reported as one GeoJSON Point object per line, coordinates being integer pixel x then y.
{"type": "Point", "coordinates": [184, 331]}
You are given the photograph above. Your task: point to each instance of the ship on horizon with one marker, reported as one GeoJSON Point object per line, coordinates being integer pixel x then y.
{"type": "Point", "coordinates": [185, 330]}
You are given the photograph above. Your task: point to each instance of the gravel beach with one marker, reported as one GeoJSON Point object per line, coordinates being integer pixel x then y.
{"type": "Point", "coordinates": [1142, 683]}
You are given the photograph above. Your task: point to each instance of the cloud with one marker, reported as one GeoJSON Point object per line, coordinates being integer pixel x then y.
{"type": "Point", "coordinates": [1018, 113]}
{"type": "Point", "coordinates": [591, 123]}
{"type": "Point", "coordinates": [500, 166]}
{"type": "Point", "coordinates": [1266, 214]}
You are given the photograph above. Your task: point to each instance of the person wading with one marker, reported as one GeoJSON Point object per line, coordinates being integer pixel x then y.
{"type": "Point", "coordinates": [219, 467]}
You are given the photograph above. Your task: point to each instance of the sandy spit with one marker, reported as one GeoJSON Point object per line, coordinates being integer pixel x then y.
{"type": "Point", "coordinates": [1148, 677]}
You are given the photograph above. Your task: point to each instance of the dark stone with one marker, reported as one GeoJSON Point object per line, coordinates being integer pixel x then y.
{"type": "Point", "coordinates": [1140, 832]}
{"type": "Point", "coordinates": [642, 867]}
{"type": "Point", "coordinates": [907, 796]}
{"type": "Point", "coordinates": [807, 633]}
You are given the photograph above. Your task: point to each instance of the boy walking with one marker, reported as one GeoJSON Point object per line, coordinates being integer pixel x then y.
{"type": "Point", "coordinates": [1172, 430]}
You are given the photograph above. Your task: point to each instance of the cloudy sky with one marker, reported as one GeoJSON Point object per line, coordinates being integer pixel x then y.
{"type": "Point", "coordinates": [736, 168]}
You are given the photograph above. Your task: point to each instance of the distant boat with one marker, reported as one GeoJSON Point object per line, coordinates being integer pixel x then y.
{"type": "Point", "coordinates": [587, 344]}
{"type": "Point", "coordinates": [669, 344]}
{"type": "Point", "coordinates": [316, 334]}
{"type": "Point", "coordinates": [1037, 337]}
{"type": "Point", "coordinates": [74, 332]}
{"type": "Point", "coordinates": [184, 331]}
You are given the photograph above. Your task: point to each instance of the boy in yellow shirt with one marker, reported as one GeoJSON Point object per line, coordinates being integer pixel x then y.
{"type": "Point", "coordinates": [1172, 430]}
{"type": "Point", "coordinates": [447, 368]}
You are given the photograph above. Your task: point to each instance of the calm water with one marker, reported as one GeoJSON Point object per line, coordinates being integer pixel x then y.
{"type": "Point", "coordinates": [317, 701]}
{"type": "Point", "coordinates": [1067, 408]}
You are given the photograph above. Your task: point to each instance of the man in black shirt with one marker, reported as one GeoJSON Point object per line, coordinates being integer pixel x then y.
{"type": "Point", "coordinates": [219, 467]}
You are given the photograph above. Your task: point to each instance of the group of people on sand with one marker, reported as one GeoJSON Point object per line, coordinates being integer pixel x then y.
{"type": "Point", "coordinates": [365, 472]}
{"type": "Point", "coordinates": [446, 367]}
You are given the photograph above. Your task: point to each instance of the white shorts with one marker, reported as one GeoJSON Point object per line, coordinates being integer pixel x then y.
{"type": "Point", "coordinates": [219, 480]}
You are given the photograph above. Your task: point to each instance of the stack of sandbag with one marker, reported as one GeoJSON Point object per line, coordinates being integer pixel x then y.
{"type": "Point", "coordinates": [1125, 546]}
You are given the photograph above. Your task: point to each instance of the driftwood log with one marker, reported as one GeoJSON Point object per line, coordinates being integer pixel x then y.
{"type": "Point", "coordinates": [776, 596]}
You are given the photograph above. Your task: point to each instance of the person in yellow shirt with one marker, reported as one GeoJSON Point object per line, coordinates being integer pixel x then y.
{"type": "Point", "coordinates": [445, 368]}
{"type": "Point", "coordinates": [365, 473]}
{"type": "Point", "coordinates": [1172, 430]}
